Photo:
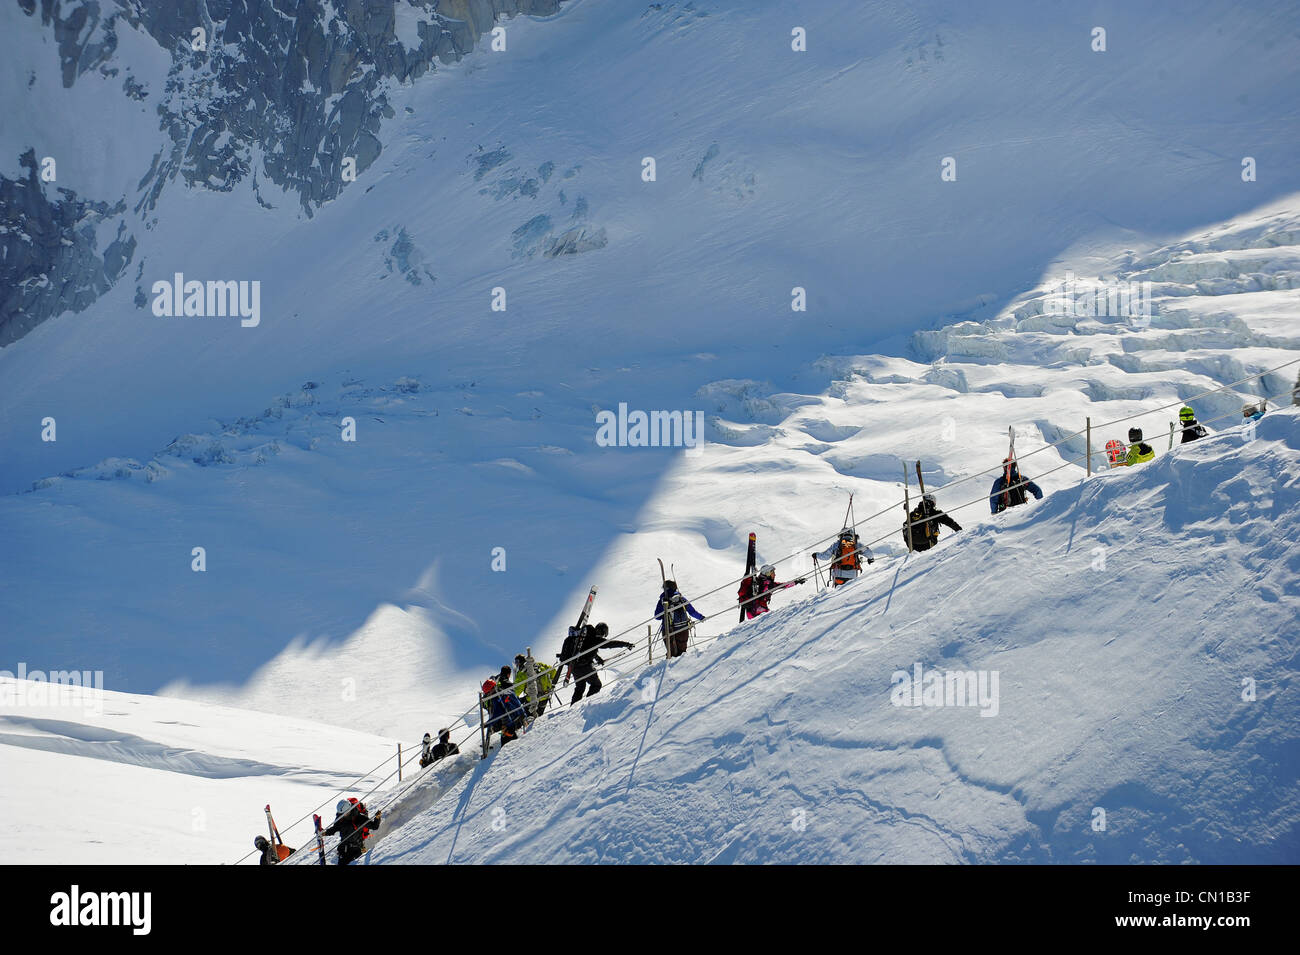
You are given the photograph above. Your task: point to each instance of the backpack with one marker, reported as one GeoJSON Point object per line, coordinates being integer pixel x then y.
{"type": "Point", "coordinates": [850, 559]}
{"type": "Point", "coordinates": [929, 530]}
{"type": "Point", "coordinates": [675, 613]}
{"type": "Point", "coordinates": [1115, 452]}
{"type": "Point", "coordinates": [365, 832]}
{"type": "Point", "coordinates": [1015, 488]}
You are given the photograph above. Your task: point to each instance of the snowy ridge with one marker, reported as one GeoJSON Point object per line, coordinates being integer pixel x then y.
{"type": "Point", "coordinates": [1101, 705]}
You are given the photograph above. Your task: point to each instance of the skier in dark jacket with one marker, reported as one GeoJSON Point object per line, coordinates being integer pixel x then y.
{"type": "Point", "coordinates": [582, 650]}
{"type": "Point", "coordinates": [756, 591]}
{"type": "Point", "coordinates": [924, 523]}
{"type": "Point", "coordinates": [1191, 430]}
{"type": "Point", "coordinates": [672, 610]}
{"type": "Point", "coordinates": [441, 750]}
{"type": "Point", "coordinates": [1011, 494]}
{"type": "Point", "coordinates": [266, 851]}
{"type": "Point", "coordinates": [351, 824]}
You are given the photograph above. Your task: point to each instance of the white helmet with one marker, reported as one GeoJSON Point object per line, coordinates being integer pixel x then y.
{"type": "Point", "coordinates": [342, 807]}
{"type": "Point", "coordinates": [928, 498]}
{"type": "Point", "coordinates": [767, 570]}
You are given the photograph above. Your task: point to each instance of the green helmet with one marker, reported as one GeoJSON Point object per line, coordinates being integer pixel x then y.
{"type": "Point", "coordinates": [1186, 413]}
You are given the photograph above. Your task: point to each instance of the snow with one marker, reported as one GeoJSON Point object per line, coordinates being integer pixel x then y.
{"type": "Point", "coordinates": [144, 780]}
{"type": "Point", "coordinates": [1129, 610]}
{"type": "Point", "coordinates": [350, 595]}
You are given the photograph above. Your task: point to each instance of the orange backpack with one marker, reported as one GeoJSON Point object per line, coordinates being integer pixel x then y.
{"type": "Point", "coordinates": [850, 559]}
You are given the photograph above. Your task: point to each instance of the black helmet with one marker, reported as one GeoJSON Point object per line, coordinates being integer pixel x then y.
{"type": "Point", "coordinates": [602, 629]}
{"type": "Point", "coordinates": [443, 733]}
{"type": "Point", "coordinates": [520, 660]}
{"type": "Point", "coordinates": [259, 842]}
{"type": "Point", "coordinates": [1134, 435]}
{"type": "Point", "coordinates": [670, 586]}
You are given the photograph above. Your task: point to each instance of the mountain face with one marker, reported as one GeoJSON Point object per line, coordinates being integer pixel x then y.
{"type": "Point", "coordinates": [276, 94]}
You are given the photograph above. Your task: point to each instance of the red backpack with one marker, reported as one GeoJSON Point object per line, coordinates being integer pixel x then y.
{"type": "Point", "coordinates": [365, 833]}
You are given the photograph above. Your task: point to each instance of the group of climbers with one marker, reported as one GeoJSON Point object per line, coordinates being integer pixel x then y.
{"type": "Point", "coordinates": [352, 824]}
{"type": "Point", "coordinates": [512, 698]}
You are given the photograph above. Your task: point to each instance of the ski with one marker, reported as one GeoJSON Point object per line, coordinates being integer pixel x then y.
{"type": "Point", "coordinates": [1006, 469]}
{"type": "Point", "coordinates": [530, 682]}
{"type": "Point", "coordinates": [907, 510]}
{"type": "Point", "coordinates": [566, 666]}
{"type": "Point", "coordinates": [282, 851]}
{"type": "Point", "coordinates": [320, 839]}
{"type": "Point", "coordinates": [586, 609]}
{"type": "Point", "coordinates": [921, 481]}
{"type": "Point", "coordinates": [751, 558]}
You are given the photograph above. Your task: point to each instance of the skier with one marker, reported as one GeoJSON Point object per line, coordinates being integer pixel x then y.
{"type": "Point", "coordinates": [1139, 452]}
{"type": "Point", "coordinates": [505, 713]}
{"type": "Point", "coordinates": [1009, 488]}
{"type": "Point", "coordinates": [1253, 412]}
{"type": "Point", "coordinates": [673, 610]}
{"type": "Point", "coordinates": [582, 649]}
{"type": "Point", "coordinates": [441, 750]}
{"type": "Point", "coordinates": [352, 825]}
{"type": "Point", "coordinates": [756, 591]}
{"type": "Point", "coordinates": [1191, 430]}
{"type": "Point", "coordinates": [846, 555]}
{"type": "Point", "coordinates": [267, 851]}
{"type": "Point", "coordinates": [924, 522]}
{"type": "Point", "coordinates": [545, 681]}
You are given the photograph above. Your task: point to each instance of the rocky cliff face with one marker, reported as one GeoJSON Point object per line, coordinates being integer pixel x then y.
{"type": "Point", "coordinates": [284, 91]}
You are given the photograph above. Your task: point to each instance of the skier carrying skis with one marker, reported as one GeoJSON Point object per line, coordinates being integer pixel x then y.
{"type": "Point", "coordinates": [756, 591]}
{"type": "Point", "coordinates": [545, 680]}
{"type": "Point", "coordinates": [505, 713]}
{"type": "Point", "coordinates": [441, 750]}
{"type": "Point", "coordinates": [924, 521]}
{"type": "Point", "coordinates": [845, 555]}
{"type": "Point", "coordinates": [352, 825]}
{"type": "Point", "coordinates": [673, 611]}
{"type": "Point", "coordinates": [1009, 488]}
{"type": "Point", "coordinates": [267, 851]}
{"type": "Point", "coordinates": [1191, 430]}
{"type": "Point", "coordinates": [1139, 452]}
{"type": "Point", "coordinates": [582, 649]}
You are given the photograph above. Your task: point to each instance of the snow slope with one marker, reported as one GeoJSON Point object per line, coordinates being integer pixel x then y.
{"type": "Point", "coordinates": [126, 779]}
{"type": "Point", "coordinates": [353, 583]}
{"type": "Point", "coordinates": [1122, 616]}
